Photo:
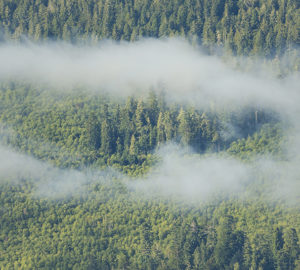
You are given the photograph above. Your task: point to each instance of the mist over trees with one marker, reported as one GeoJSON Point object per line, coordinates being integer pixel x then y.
{"type": "Point", "coordinates": [102, 130]}
{"type": "Point", "coordinates": [83, 179]}
{"type": "Point", "coordinates": [105, 224]}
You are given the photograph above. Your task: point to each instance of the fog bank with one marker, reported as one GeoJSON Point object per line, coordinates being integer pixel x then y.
{"type": "Point", "coordinates": [180, 175]}
{"type": "Point", "coordinates": [172, 65]}
{"type": "Point", "coordinates": [186, 75]}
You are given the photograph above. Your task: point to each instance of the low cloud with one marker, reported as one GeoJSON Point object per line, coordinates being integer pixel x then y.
{"type": "Point", "coordinates": [186, 75]}
{"type": "Point", "coordinates": [191, 177]}
{"type": "Point", "coordinates": [180, 175]}
{"type": "Point", "coordinates": [48, 181]}
{"type": "Point", "coordinates": [172, 65]}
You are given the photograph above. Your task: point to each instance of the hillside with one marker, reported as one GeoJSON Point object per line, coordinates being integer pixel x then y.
{"type": "Point", "coordinates": [149, 134]}
{"type": "Point", "coordinates": [243, 27]}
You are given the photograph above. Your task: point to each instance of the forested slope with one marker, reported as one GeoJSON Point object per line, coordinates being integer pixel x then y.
{"type": "Point", "coordinates": [86, 129]}
{"type": "Point", "coordinates": [108, 228]}
{"type": "Point", "coordinates": [105, 224]}
{"type": "Point", "coordinates": [244, 27]}
{"type": "Point", "coordinates": [88, 179]}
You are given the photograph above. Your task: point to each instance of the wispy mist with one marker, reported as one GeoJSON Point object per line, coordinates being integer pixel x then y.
{"type": "Point", "coordinates": [194, 178]}
{"type": "Point", "coordinates": [49, 181]}
{"type": "Point", "coordinates": [185, 74]}
{"type": "Point", "coordinates": [181, 70]}
{"type": "Point", "coordinates": [188, 176]}
{"type": "Point", "coordinates": [180, 175]}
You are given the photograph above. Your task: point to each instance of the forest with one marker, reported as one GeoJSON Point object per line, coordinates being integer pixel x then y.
{"type": "Point", "coordinates": [243, 27]}
{"type": "Point", "coordinates": [190, 167]}
{"type": "Point", "coordinates": [109, 225]}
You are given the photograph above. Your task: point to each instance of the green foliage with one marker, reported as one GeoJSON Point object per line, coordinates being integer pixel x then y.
{"type": "Point", "coordinates": [107, 225]}
{"type": "Point", "coordinates": [267, 28]}
{"type": "Point", "coordinates": [269, 140]}
{"type": "Point", "coordinates": [81, 130]}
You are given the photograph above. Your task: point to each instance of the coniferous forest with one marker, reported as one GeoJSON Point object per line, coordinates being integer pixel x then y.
{"type": "Point", "coordinates": [95, 175]}
{"type": "Point", "coordinates": [243, 27]}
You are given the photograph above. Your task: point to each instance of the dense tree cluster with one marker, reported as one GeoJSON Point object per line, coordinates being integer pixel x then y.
{"type": "Point", "coordinates": [105, 224]}
{"type": "Point", "coordinates": [242, 26]}
{"type": "Point", "coordinates": [110, 227]}
{"type": "Point", "coordinates": [85, 129]}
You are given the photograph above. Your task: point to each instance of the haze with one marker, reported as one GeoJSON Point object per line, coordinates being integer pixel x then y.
{"type": "Point", "coordinates": [185, 74]}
